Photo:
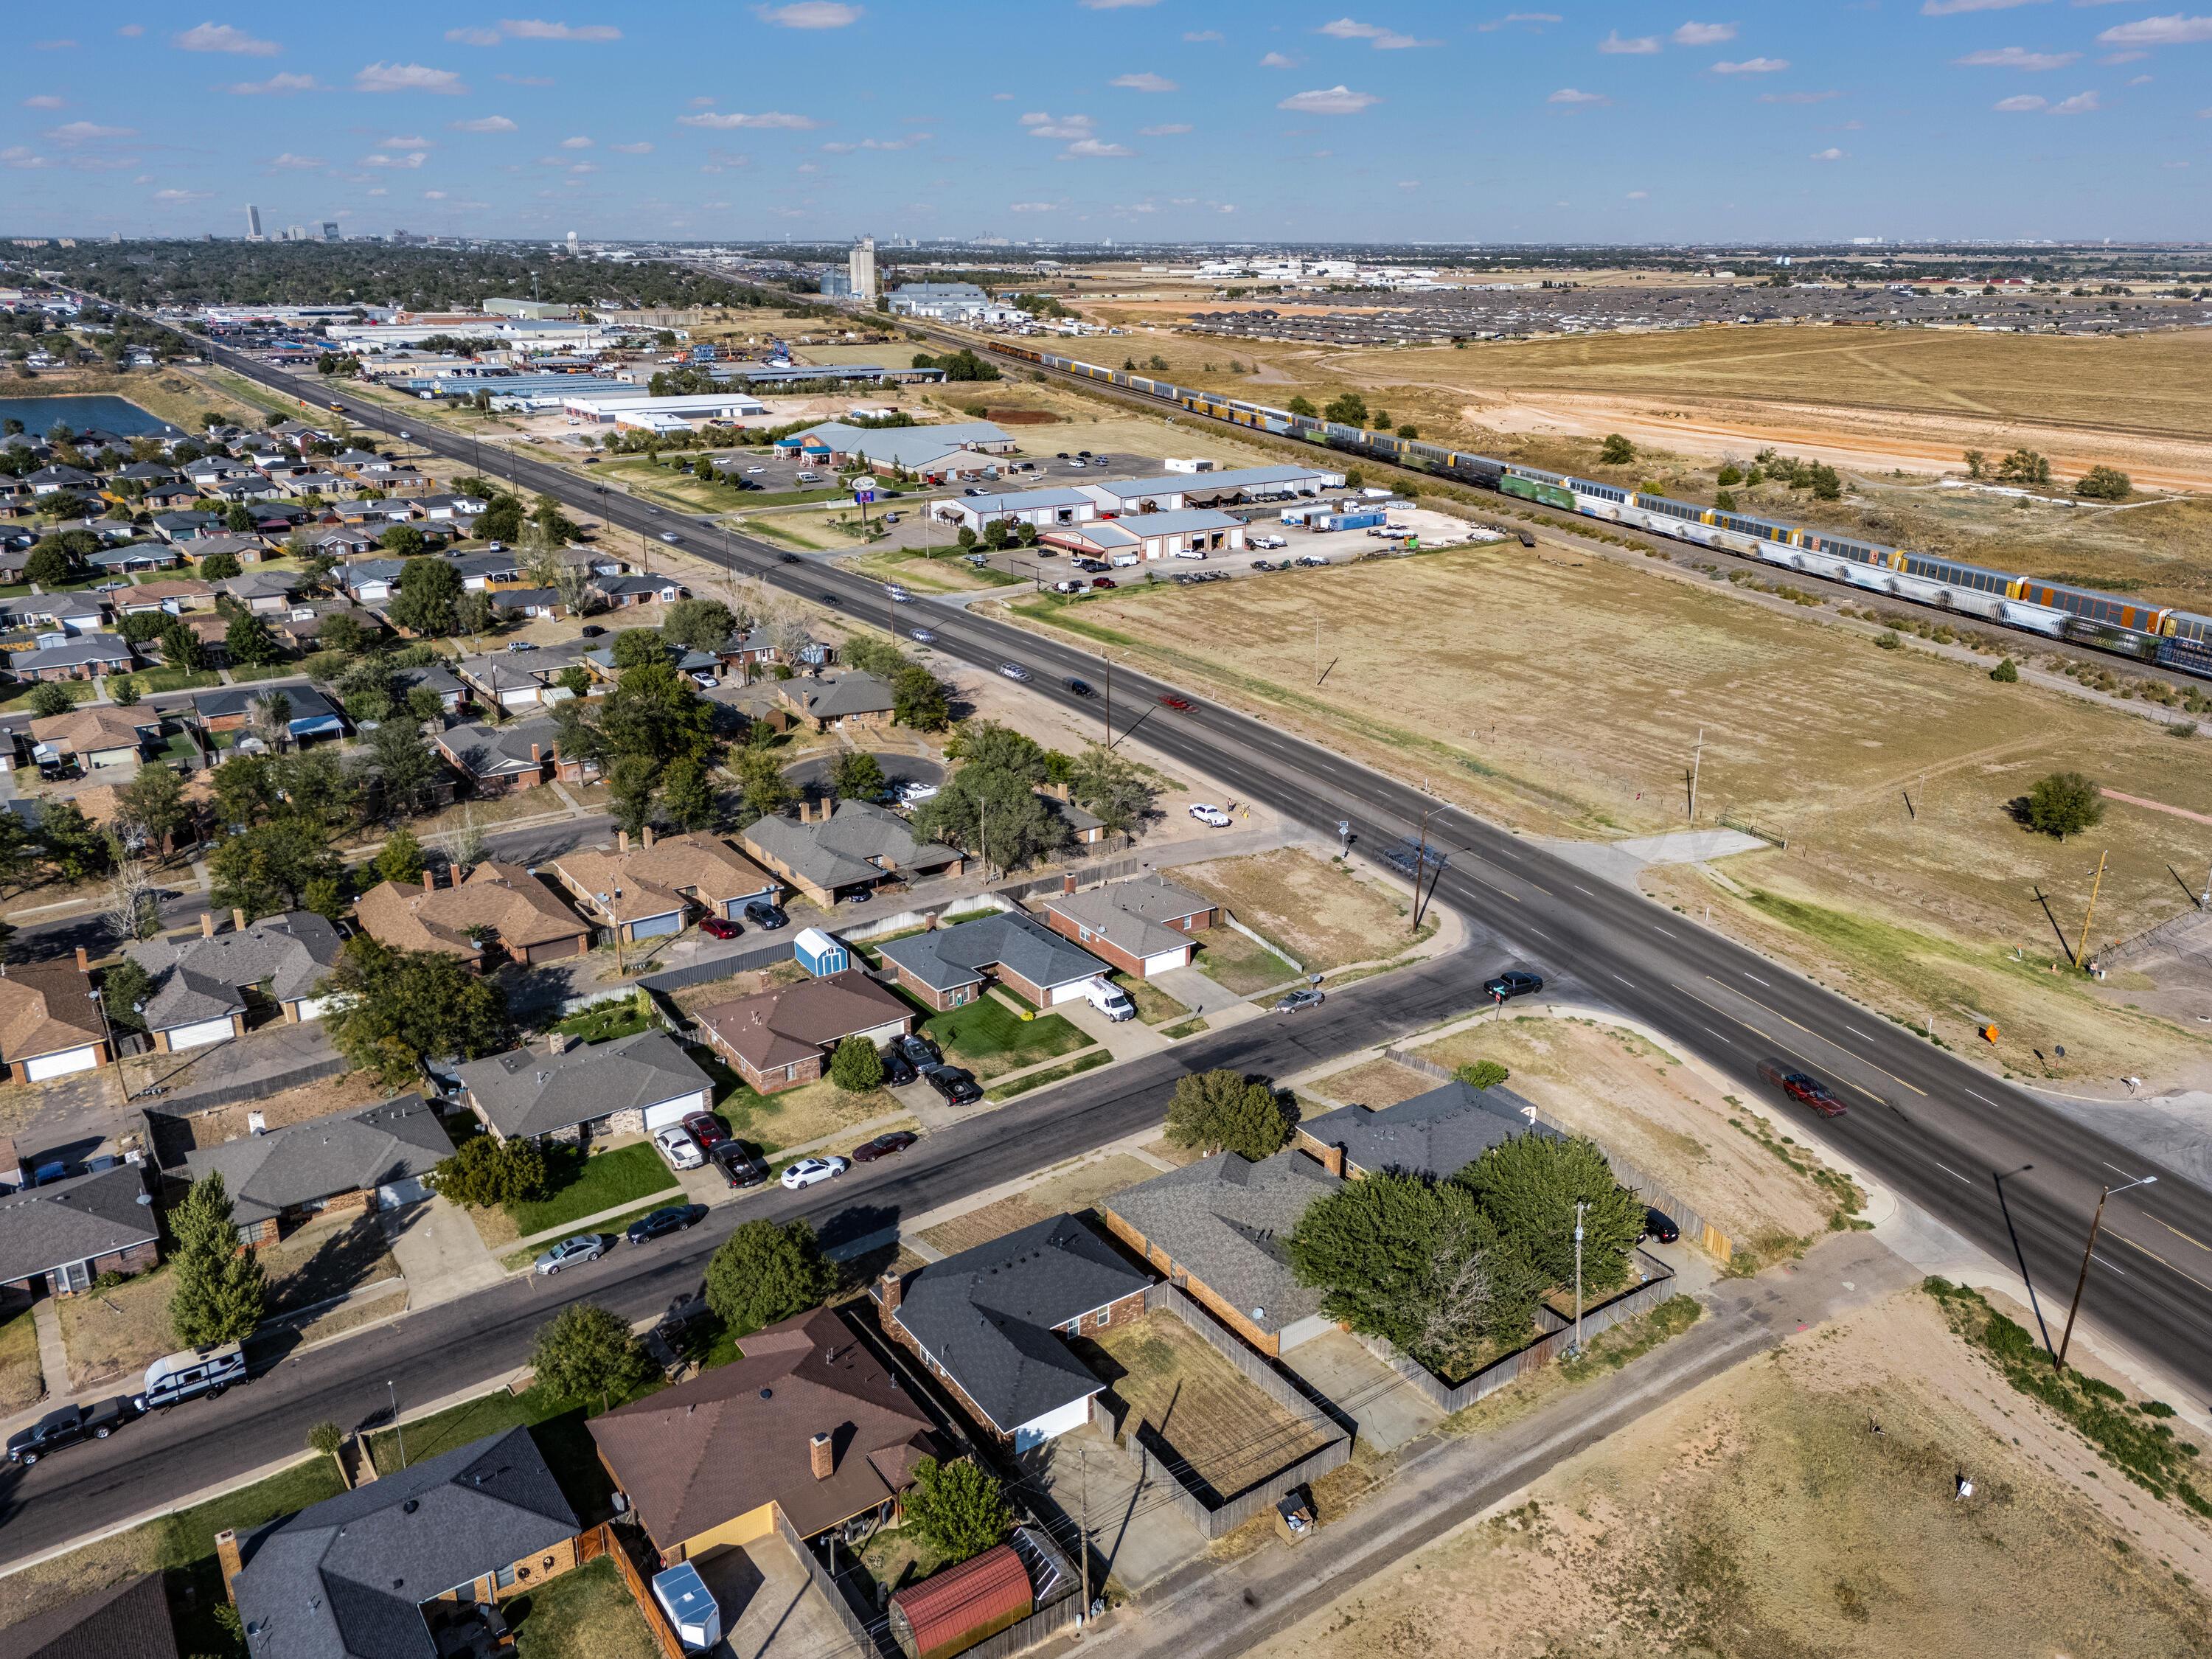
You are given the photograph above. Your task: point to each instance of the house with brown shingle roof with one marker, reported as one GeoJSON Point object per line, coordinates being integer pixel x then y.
{"type": "Point", "coordinates": [780, 1038]}
{"type": "Point", "coordinates": [650, 889]}
{"type": "Point", "coordinates": [183, 593]}
{"type": "Point", "coordinates": [502, 913]}
{"type": "Point", "coordinates": [807, 1423]}
{"type": "Point", "coordinates": [50, 1025]}
{"type": "Point", "coordinates": [98, 736]}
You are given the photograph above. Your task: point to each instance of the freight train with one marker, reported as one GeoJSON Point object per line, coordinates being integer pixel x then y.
{"type": "Point", "coordinates": [2177, 640]}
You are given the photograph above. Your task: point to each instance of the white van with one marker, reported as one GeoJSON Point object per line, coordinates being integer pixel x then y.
{"type": "Point", "coordinates": [195, 1371]}
{"type": "Point", "coordinates": [1109, 998]}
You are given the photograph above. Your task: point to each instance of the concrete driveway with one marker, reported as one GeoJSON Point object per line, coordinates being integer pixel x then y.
{"type": "Point", "coordinates": [1134, 1531]}
{"type": "Point", "coordinates": [770, 1608]}
{"type": "Point", "coordinates": [1389, 1410]}
{"type": "Point", "coordinates": [438, 1251]}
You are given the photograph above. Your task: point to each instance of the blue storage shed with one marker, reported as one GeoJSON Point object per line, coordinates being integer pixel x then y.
{"type": "Point", "coordinates": [819, 954]}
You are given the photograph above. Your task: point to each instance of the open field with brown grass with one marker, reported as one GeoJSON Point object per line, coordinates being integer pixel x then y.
{"type": "Point", "coordinates": [1757, 1517]}
{"type": "Point", "coordinates": [1315, 908]}
{"type": "Point", "coordinates": [1564, 700]}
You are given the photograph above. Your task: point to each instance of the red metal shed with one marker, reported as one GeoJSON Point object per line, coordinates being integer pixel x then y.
{"type": "Point", "coordinates": [950, 1612]}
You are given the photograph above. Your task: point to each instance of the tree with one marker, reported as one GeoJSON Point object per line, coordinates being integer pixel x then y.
{"type": "Point", "coordinates": [49, 698]}
{"type": "Point", "coordinates": [993, 813]}
{"type": "Point", "coordinates": [181, 647]}
{"type": "Point", "coordinates": [217, 567]}
{"type": "Point", "coordinates": [133, 905]}
{"type": "Point", "coordinates": [2104, 483]}
{"type": "Point", "coordinates": [858, 776]}
{"type": "Point", "coordinates": [587, 1350]}
{"type": "Point", "coordinates": [2024, 466]}
{"type": "Point", "coordinates": [1616, 451]}
{"type": "Point", "coordinates": [2006, 673]}
{"type": "Point", "coordinates": [1977, 464]}
{"type": "Point", "coordinates": [1227, 1111]}
{"type": "Point", "coordinates": [216, 1291]}
{"type": "Point", "coordinates": [502, 522]}
{"type": "Point", "coordinates": [1483, 1074]}
{"type": "Point", "coordinates": [124, 990]}
{"type": "Point", "coordinates": [1300, 406]}
{"type": "Point", "coordinates": [150, 809]}
{"type": "Point", "coordinates": [238, 519]}
{"type": "Point", "coordinates": [326, 1438]}
{"type": "Point", "coordinates": [397, 1009]}
{"type": "Point", "coordinates": [856, 1067]}
{"type": "Point", "coordinates": [956, 1509]}
{"type": "Point", "coordinates": [268, 868]}
{"type": "Point", "coordinates": [1529, 1185]}
{"type": "Point", "coordinates": [402, 541]}
{"type": "Point", "coordinates": [994, 747]}
{"type": "Point", "coordinates": [631, 782]}
{"type": "Point", "coordinates": [403, 758]}
{"type": "Point", "coordinates": [1827, 483]}
{"type": "Point", "coordinates": [2061, 804]}
{"type": "Point", "coordinates": [1346, 409]}
{"type": "Point", "coordinates": [343, 632]}
{"type": "Point", "coordinates": [576, 680]}
{"type": "Point", "coordinates": [123, 690]}
{"type": "Point", "coordinates": [400, 858]}
{"type": "Point", "coordinates": [766, 1271]}
{"type": "Point", "coordinates": [49, 563]}
{"type": "Point", "coordinates": [687, 794]}
{"type": "Point", "coordinates": [71, 842]}
{"type": "Point", "coordinates": [919, 700]}
{"type": "Point", "coordinates": [1110, 789]}
{"type": "Point", "coordinates": [699, 624]}
{"type": "Point", "coordinates": [485, 1171]}
{"type": "Point", "coordinates": [762, 788]}
{"type": "Point", "coordinates": [249, 642]}
{"type": "Point", "coordinates": [640, 647]}
{"type": "Point", "coordinates": [428, 590]}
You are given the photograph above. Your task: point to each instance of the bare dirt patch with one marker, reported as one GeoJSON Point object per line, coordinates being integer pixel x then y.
{"type": "Point", "coordinates": [1759, 1515]}
{"type": "Point", "coordinates": [1374, 1084]}
{"type": "Point", "coordinates": [179, 1135]}
{"type": "Point", "coordinates": [1316, 909]}
{"type": "Point", "coordinates": [21, 1382]}
{"type": "Point", "coordinates": [981, 1226]}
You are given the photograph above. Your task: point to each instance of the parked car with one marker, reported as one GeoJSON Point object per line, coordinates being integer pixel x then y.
{"type": "Point", "coordinates": [1103, 581]}
{"type": "Point", "coordinates": [679, 1149]}
{"type": "Point", "coordinates": [707, 1130]}
{"type": "Point", "coordinates": [898, 1070]}
{"type": "Point", "coordinates": [1261, 564]}
{"type": "Point", "coordinates": [914, 793]}
{"type": "Point", "coordinates": [921, 1051]}
{"type": "Point", "coordinates": [1084, 454]}
{"type": "Point", "coordinates": [1312, 559]}
{"type": "Point", "coordinates": [572, 1252]}
{"type": "Point", "coordinates": [1267, 543]}
{"type": "Point", "coordinates": [1528, 537]}
{"type": "Point", "coordinates": [591, 630]}
{"type": "Point", "coordinates": [68, 1424]}
{"type": "Point", "coordinates": [1658, 1225]}
{"type": "Point", "coordinates": [661, 1223]}
{"type": "Point", "coordinates": [1013, 670]}
{"type": "Point", "coordinates": [955, 1086]}
{"type": "Point", "coordinates": [740, 1164]}
{"type": "Point", "coordinates": [1083, 564]}
{"type": "Point", "coordinates": [703, 680]}
{"type": "Point", "coordinates": [1299, 1000]}
{"type": "Point", "coordinates": [765, 916]}
{"type": "Point", "coordinates": [1178, 704]}
{"type": "Point", "coordinates": [808, 1171]}
{"type": "Point", "coordinates": [1209, 815]}
{"type": "Point", "coordinates": [717, 927]}
{"type": "Point", "coordinates": [1072, 585]}
{"type": "Point", "coordinates": [1511, 984]}
{"type": "Point", "coordinates": [520, 645]}
{"type": "Point", "coordinates": [886, 1145]}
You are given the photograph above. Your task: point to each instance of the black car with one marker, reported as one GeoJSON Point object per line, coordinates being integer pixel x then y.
{"type": "Point", "coordinates": [741, 1165]}
{"type": "Point", "coordinates": [1659, 1225]}
{"type": "Point", "coordinates": [661, 1223]}
{"type": "Point", "coordinates": [786, 558]}
{"type": "Point", "coordinates": [765, 916]}
{"type": "Point", "coordinates": [1081, 688]}
{"type": "Point", "coordinates": [955, 1085]}
{"type": "Point", "coordinates": [591, 630]}
{"type": "Point", "coordinates": [920, 1051]}
{"type": "Point", "coordinates": [888, 1146]}
{"type": "Point", "coordinates": [1511, 984]}
{"type": "Point", "coordinates": [898, 1070]}
{"type": "Point", "coordinates": [68, 1425]}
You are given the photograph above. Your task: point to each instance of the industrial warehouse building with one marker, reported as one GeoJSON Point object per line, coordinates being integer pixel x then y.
{"type": "Point", "coordinates": [1192, 532]}
{"type": "Point", "coordinates": [1042, 508]}
{"type": "Point", "coordinates": [631, 408]}
{"type": "Point", "coordinates": [1173, 490]}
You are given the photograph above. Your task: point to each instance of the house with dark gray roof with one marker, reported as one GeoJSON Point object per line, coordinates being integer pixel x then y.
{"type": "Point", "coordinates": [992, 1324]}
{"type": "Point", "coordinates": [365, 1159]}
{"type": "Point", "coordinates": [1436, 1134]}
{"type": "Point", "coordinates": [853, 700]}
{"type": "Point", "coordinates": [1217, 1228]}
{"type": "Point", "coordinates": [519, 755]}
{"type": "Point", "coordinates": [83, 657]}
{"type": "Point", "coordinates": [204, 988]}
{"type": "Point", "coordinates": [632, 1085]}
{"type": "Point", "coordinates": [129, 1619]}
{"type": "Point", "coordinates": [948, 967]}
{"type": "Point", "coordinates": [68, 1233]}
{"type": "Point", "coordinates": [1143, 926]}
{"type": "Point", "coordinates": [836, 849]}
{"type": "Point", "coordinates": [308, 713]}
{"type": "Point", "coordinates": [403, 1566]}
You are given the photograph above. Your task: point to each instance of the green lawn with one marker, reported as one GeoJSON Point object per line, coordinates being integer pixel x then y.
{"type": "Point", "coordinates": [517, 1259]}
{"type": "Point", "coordinates": [79, 690]}
{"type": "Point", "coordinates": [581, 1186]}
{"type": "Point", "coordinates": [1153, 1004]}
{"type": "Point", "coordinates": [1058, 1073]}
{"type": "Point", "coordinates": [248, 673]}
{"type": "Point", "coordinates": [174, 679]}
{"type": "Point", "coordinates": [607, 1021]}
{"type": "Point", "coordinates": [990, 1038]}
{"type": "Point", "coordinates": [588, 1613]}
{"type": "Point", "coordinates": [556, 1424]}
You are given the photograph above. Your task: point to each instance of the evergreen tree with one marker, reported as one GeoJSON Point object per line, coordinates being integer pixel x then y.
{"type": "Point", "coordinates": [217, 1293]}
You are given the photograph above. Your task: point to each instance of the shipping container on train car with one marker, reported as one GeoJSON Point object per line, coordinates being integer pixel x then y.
{"type": "Point", "coordinates": [2126, 642]}
{"type": "Point", "coordinates": [1535, 489]}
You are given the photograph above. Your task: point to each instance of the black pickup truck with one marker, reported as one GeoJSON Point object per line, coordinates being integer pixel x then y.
{"type": "Point", "coordinates": [68, 1425]}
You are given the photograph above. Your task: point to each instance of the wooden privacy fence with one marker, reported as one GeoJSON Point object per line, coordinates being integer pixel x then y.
{"type": "Point", "coordinates": [1654, 1191]}
{"type": "Point", "coordinates": [603, 1539]}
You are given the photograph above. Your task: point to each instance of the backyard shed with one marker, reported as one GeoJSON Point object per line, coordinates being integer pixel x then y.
{"type": "Point", "coordinates": [950, 1612]}
{"type": "Point", "coordinates": [819, 954]}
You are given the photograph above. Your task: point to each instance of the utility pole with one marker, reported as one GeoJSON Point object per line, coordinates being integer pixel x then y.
{"type": "Point", "coordinates": [392, 1391]}
{"type": "Point", "coordinates": [2088, 1251]}
{"type": "Point", "coordinates": [2096, 887]}
{"type": "Point", "coordinates": [1083, 1533]}
{"type": "Point", "coordinates": [1580, 1207]}
{"type": "Point", "coordinates": [1110, 731]}
{"type": "Point", "coordinates": [1697, 761]}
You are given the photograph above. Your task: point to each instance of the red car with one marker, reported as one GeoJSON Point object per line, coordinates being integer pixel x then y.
{"type": "Point", "coordinates": [1103, 581]}
{"type": "Point", "coordinates": [1811, 1091]}
{"type": "Point", "coordinates": [706, 1129]}
{"type": "Point", "coordinates": [1176, 703]}
{"type": "Point", "coordinates": [883, 1146]}
{"type": "Point", "coordinates": [716, 927]}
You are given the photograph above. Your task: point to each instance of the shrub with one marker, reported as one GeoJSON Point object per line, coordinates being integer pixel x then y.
{"type": "Point", "coordinates": [1227, 1111]}
{"type": "Point", "coordinates": [484, 1171]}
{"type": "Point", "coordinates": [1616, 451]}
{"type": "Point", "coordinates": [2104, 483]}
{"type": "Point", "coordinates": [956, 1509]}
{"type": "Point", "coordinates": [856, 1067]}
{"type": "Point", "coordinates": [766, 1271]}
{"type": "Point", "coordinates": [2061, 804]}
{"type": "Point", "coordinates": [1483, 1074]}
{"type": "Point", "coordinates": [2005, 673]}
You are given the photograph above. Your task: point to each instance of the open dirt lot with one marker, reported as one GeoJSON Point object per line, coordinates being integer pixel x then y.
{"type": "Point", "coordinates": [1315, 908]}
{"type": "Point", "coordinates": [1229, 1433]}
{"type": "Point", "coordinates": [1078, 1188]}
{"type": "Point", "coordinates": [1566, 699]}
{"type": "Point", "coordinates": [1757, 1517]}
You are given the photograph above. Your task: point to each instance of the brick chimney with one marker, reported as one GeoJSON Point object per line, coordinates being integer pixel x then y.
{"type": "Point", "coordinates": [237, 921]}
{"type": "Point", "coordinates": [558, 1044]}
{"type": "Point", "coordinates": [822, 1456]}
{"type": "Point", "coordinates": [534, 759]}
{"type": "Point", "coordinates": [1331, 1159]}
{"type": "Point", "coordinates": [622, 839]}
{"type": "Point", "coordinates": [83, 962]}
{"type": "Point", "coordinates": [1060, 791]}
{"type": "Point", "coordinates": [228, 1559]}
{"type": "Point", "coordinates": [207, 924]}
{"type": "Point", "coordinates": [648, 835]}
{"type": "Point", "coordinates": [890, 1290]}
{"type": "Point", "coordinates": [429, 881]}
{"type": "Point", "coordinates": [1067, 883]}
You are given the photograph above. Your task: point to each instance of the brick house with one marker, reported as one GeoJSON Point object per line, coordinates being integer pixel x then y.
{"type": "Point", "coordinates": [1434, 1135]}
{"type": "Point", "coordinates": [50, 1021]}
{"type": "Point", "coordinates": [85, 657]}
{"type": "Point", "coordinates": [849, 702]}
{"type": "Point", "coordinates": [651, 889]}
{"type": "Point", "coordinates": [200, 984]}
{"type": "Point", "coordinates": [949, 967]}
{"type": "Point", "coordinates": [781, 1038]}
{"type": "Point", "coordinates": [500, 913]}
{"type": "Point", "coordinates": [839, 848]}
{"type": "Point", "coordinates": [63, 1236]}
{"type": "Point", "coordinates": [500, 759]}
{"type": "Point", "coordinates": [371, 1157]}
{"type": "Point", "coordinates": [1142, 926]}
{"type": "Point", "coordinates": [572, 1091]}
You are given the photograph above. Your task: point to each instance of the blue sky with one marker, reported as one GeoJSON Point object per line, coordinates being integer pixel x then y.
{"type": "Point", "coordinates": [1167, 120]}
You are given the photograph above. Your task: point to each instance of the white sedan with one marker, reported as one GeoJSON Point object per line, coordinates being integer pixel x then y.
{"type": "Point", "coordinates": [809, 1170]}
{"type": "Point", "coordinates": [1209, 815]}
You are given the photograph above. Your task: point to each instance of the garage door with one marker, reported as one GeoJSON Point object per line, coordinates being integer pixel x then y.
{"type": "Point", "coordinates": [1065, 993]}
{"type": "Point", "coordinates": [658, 926]}
{"type": "Point", "coordinates": [199, 1035]}
{"type": "Point", "coordinates": [393, 1194]}
{"type": "Point", "coordinates": [1166, 960]}
{"type": "Point", "coordinates": [674, 1111]}
{"type": "Point", "coordinates": [61, 1065]}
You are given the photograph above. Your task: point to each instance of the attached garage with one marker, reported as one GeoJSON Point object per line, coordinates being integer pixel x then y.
{"type": "Point", "coordinates": [659, 926]}
{"type": "Point", "coordinates": [198, 1034]}
{"type": "Point", "coordinates": [674, 1110]}
{"type": "Point", "coordinates": [314, 1007]}
{"type": "Point", "coordinates": [1166, 960]}
{"type": "Point", "coordinates": [1068, 1419]}
{"type": "Point", "coordinates": [393, 1194]}
{"type": "Point", "coordinates": [65, 1062]}
{"type": "Point", "coordinates": [1305, 1330]}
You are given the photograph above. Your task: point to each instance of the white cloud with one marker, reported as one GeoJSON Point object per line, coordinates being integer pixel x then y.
{"type": "Point", "coordinates": [1167, 129]}
{"type": "Point", "coordinates": [578, 142]}
{"type": "Point", "coordinates": [484, 124]}
{"type": "Point", "coordinates": [1948, 7]}
{"type": "Point", "coordinates": [908, 142]}
{"type": "Point", "coordinates": [169, 196]}
{"type": "Point", "coordinates": [1639, 196]}
{"type": "Point", "coordinates": [1754, 66]}
{"type": "Point", "coordinates": [1204, 37]}
{"type": "Point", "coordinates": [1572, 95]}
{"type": "Point", "coordinates": [1041, 125]}
{"type": "Point", "coordinates": [43, 100]}
{"type": "Point", "coordinates": [2123, 57]}
{"type": "Point", "coordinates": [526, 80]}
{"type": "Point", "coordinates": [2022, 105]}
{"type": "Point", "coordinates": [2080, 104]}
{"type": "Point", "coordinates": [2019, 57]}
{"type": "Point", "coordinates": [411, 140]}
{"type": "Point", "coordinates": [532, 28]}
{"type": "Point", "coordinates": [1642, 45]}
{"type": "Point", "coordinates": [2139, 81]}
{"type": "Point", "coordinates": [1146, 81]}
{"type": "Point", "coordinates": [411, 159]}
{"type": "Point", "coordinates": [1409, 183]}
{"type": "Point", "coordinates": [473, 37]}
{"type": "Point", "coordinates": [23, 160]}
{"type": "Point", "coordinates": [1097, 147]}
{"type": "Point", "coordinates": [408, 77]}
{"type": "Point", "coordinates": [639, 148]}
{"type": "Point", "coordinates": [1032, 206]}
{"type": "Point", "coordinates": [737, 118]}
{"type": "Point", "coordinates": [131, 31]}
{"type": "Point", "coordinates": [222, 37]}
{"type": "Point", "coordinates": [80, 132]}
{"type": "Point", "coordinates": [1276, 60]}
{"type": "Point", "coordinates": [434, 195]}
{"type": "Point", "coordinates": [2172, 30]}
{"type": "Point", "coordinates": [810, 14]}
{"type": "Point", "coordinates": [280, 85]}
{"type": "Point", "coordinates": [301, 163]}
{"type": "Point", "coordinates": [1532, 20]}
{"type": "Point", "coordinates": [1338, 100]}
{"type": "Point", "coordinates": [1796, 97]}
{"type": "Point", "coordinates": [1114, 5]}
{"type": "Point", "coordinates": [1830, 153]}
{"type": "Point", "coordinates": [1382, 38]}
{"type": "Point", "coordinates": [1704, 34]}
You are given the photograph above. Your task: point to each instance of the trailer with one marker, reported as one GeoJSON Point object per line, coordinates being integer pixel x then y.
{"type": "Point", "coordinates": [1361, 519]}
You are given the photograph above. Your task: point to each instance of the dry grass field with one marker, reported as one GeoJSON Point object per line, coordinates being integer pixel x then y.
{"type": "Point", "coordinates": [1314, 909]}
{"type": "Point", "coordinates": [1757, 1517]}
{"type": "Point", "coordinates": [1568, 700]}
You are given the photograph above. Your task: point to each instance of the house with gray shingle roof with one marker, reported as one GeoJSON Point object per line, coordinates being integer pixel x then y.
{"type": "Point", "coordinates": [1143, 926]}
{"type": "Point", "coordinates": [70, 1232]}
{"type": "Point", "coordinates": [365, 1159]}
{"type": "Point", "coordinates": [632, 1085]}
{"type": "Point", "coordinates": [1436, 1134]}
{"type": "Point", "coordinates": [834, 850]}
{"type": "Point", "coordinates": [84, 657]}
{"type": "Point", "coordinates": [948, 967]}
{"type": "Point", "coordinates": [849, 699]}
{"type": "Point", "coordinates": [204, 987]}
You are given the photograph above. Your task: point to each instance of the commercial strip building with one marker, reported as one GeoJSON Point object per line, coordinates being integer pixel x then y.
{"type": "Point", "coordinates": [1045, 508]}
{"type": "Point", "coordinates": [1144, 537]}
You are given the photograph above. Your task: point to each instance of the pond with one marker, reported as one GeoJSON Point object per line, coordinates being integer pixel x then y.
{"type": "Point", "coordinates": [108, 413]}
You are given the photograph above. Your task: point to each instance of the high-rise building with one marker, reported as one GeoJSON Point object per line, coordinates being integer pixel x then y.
{"type": "Point", "coordinates": [862, 265]}
{"type": "Point", "coordinates": [296, 233]}
{"type": "Point", "coordinates": [330, 230]}
{"type": "Point", "coordinates": [253, 223]}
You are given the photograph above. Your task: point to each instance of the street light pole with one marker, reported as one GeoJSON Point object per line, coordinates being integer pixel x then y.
{"type": "Point", "coordinates": [392, 1390]}
{"type": "Point", "coordinates": [1581, 1207]}
{"type": "Point", "coordinates": [2096, 1221]}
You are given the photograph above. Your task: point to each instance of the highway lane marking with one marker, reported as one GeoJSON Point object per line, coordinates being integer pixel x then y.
{"type": "Point", "coordinates": [1949, 1170]}
{"type": "Point", "coordinates": [1980, 1095]}
{"type": "Point", "coordinates": [1754, 978]}
{"type": "Point", "coordinates": [1630, 983]}
{"type": "Point", "coordinates": [2185, 1237]}
{"type": "Point", "coordinates": [1728, 1040]}
{"type": "Point", "coordinates": [2122, 1272]}
{"type": "Point", "coordinates": [1579, 888]}
{"type": "Point", "coordinates": [1857, 1033]}
{"type": "Point", "coordinates": [1656, 928]}
{"type": "Point", "coordinates": [2162, 1261]}
{"type": "Point", "coordinates": [1817, 1037]}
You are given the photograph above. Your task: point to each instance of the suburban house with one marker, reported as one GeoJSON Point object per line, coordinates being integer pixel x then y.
{"type": "Point", "coordinates": [367, 1158]}
{"type": "Point", "coordinates": [372, 581]}
{"type": "Point", "coordinates": [200, 984]}
{"type": "Point", "coordinates": [781, 1037]}
{"type": "Point", "coordinates": [499, 759]}
{"type": "Point", "coordinates": [308, 713]}
{"type": "Point", "coordinates": [83, 657]}
{"type": "Point", "coordinates": [450, 693]}
{"type": "Point", "coordinates": [408, 1565]}
{"type": "Point", "coordinates": [1216, 1229]}
{"type": "Point", "coordinates": [100, 736]}
{"type": "Point", "coordinates": [649, 890]}
{"type": "Point", "coordinates": [572, 1091]}
{"type": "Point", "coordinates": [1143, 926]}
{"type": "Point", "coordinates": [850, 702]}
{"type": "Point", "coordinates": [1193, 532]}
{"type": "Point", "coordinates": [620, 593]}
{"type": "Point", "coordinates": [948, 967]}
{"type": "Point", "coordinates": [132, 557]}
{"type": "Point", "coordinates": [988, 1324]}
{"type": "Point", "coordinates": [808, 1424]}
{"type": "Point", "coordinates": [499, 679]}
{"type": "Point", "coordinates": [130, 1618]}
{"type": "Point", "coordinates": [63, 1236]}
{"type": "Point", "coordinates": [246, 550]}
{"type": "Point", "coordinates": [183, 593]}
{"type": "Point", "coordinates": [263, 592]}
{"type": "Point", "coordinates": [1085, 827]}
{"type": "Point", "coordinates": [50, 1021]}
{"type": "Point", "coordinates": [500, 913]}
{"type": "Point", "coordinates": [1436, 1134]}
{"type": "Point", "coordinates": [835, 850]}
